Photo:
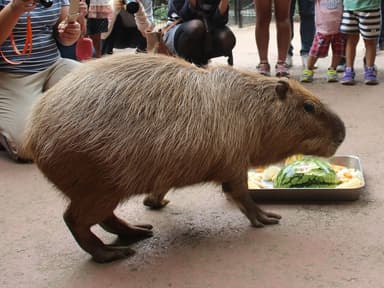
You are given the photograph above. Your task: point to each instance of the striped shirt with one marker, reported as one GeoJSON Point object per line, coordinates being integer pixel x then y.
{"type": "Point", "coordinates": [44, 48]}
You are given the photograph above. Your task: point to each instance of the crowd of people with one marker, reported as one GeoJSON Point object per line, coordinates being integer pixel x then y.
{"type": "Point", "coordinates": [38, 51]}
{"type": "Point", "coordinates": [324, 23]}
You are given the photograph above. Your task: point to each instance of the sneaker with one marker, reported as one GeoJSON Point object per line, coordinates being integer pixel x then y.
{"type": "Point", "coordinates": [370, 77]}
{"type": "Point", "coordinates": [340, 68]}
{"type": "Point", "coordinates": [365, 64]}
{"type": "Point", "coordinates": [264, 69]}
{"type": "Point", "coordinates": [348, 77]}
{"type": "Point", "coordinates": [332, 75]}
{"type": "Point", "coordinates": [288, 61]}
{"type": "Point", "coordinates": [307, 76]}
{"type": "Point", "coordinates": [282, 70]}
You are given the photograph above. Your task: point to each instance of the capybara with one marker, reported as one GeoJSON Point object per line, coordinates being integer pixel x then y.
{"type": "Point", "coordinates": [128, 124]}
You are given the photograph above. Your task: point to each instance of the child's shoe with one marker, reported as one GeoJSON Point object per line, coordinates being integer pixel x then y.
{"type": "Point", "coordinates": [307, 76]}
{"type": "Point", "coordinates": [348, 77]}
{"type": "Point", "coordinates": [332, 75]}
{"type": "Point", "coordinates": [281, 69]}
{"type": "Point", "coordinates": [264, 69]}
{"type": "Point", "coordinates": [370, 77]}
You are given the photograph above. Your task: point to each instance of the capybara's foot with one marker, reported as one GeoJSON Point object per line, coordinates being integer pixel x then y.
{"type": "Point", "coordinates": [261, 217]}
{"type": "Point", "coordinates": [239, 193]}
{"type": "Point", "coordinates": [125, 230]}
{"type": "Point", "coordinates": [100, 252]}
{"type": "Point", "coordinates": [154, 202]}
{"type": "Point", "coordinates": [111, 253]}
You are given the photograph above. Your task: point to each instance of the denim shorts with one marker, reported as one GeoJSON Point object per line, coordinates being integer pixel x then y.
{"type": "Point", "coordinates": [169, 38]}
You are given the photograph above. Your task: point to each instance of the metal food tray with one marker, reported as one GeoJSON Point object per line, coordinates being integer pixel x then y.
{"type": "Point", "coordinates": [314, 194]}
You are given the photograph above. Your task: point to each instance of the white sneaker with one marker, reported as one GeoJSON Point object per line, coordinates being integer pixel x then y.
{"type": "Point", "coordinates": [288, 61]}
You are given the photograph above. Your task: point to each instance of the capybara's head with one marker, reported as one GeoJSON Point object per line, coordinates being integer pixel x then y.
{"type": "Point", "coordinates": [295, 121]}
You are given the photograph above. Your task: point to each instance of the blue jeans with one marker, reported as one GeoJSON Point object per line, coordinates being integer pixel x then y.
{"type": "Point", "coordinates": [307, 24]}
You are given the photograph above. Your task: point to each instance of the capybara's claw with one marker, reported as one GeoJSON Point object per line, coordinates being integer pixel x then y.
{"type": "Point", "coordinates": [262, 218]}
{"type": "Point", "coordinates": [155, 203]}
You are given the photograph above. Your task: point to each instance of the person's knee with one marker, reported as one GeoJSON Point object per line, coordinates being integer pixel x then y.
{"type": "Point", "coordinates": [227, 40]}
{"type": "Point", "coordinates": [195, 29]}
{"type": "Point", "coordinates": [263, 20]}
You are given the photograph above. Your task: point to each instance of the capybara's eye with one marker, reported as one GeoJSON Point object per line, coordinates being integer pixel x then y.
{"type": "Point", "coordinates": [309, 106]}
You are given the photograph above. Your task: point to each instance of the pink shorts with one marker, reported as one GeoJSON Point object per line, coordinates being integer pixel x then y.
{"type": "Point", "coordinates": [321, 43]}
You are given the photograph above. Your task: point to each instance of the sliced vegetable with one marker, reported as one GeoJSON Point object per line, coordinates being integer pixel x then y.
{"type": "Point", "coordinates": [308, 172]}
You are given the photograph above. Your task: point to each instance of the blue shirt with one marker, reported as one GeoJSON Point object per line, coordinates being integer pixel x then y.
{"type": "Point", "coordinates": [44, 48]}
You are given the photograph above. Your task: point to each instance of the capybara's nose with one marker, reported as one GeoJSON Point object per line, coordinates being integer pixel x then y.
{"type": "Point", "coordinates": [340, 135]}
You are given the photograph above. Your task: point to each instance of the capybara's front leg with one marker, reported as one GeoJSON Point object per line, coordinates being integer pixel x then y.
{"type": "Point", "coordinates": [133, 233]}
{"type": "Point", "coordinates": [156, 200]}
{"type": "Point", "coordinates": [100, 252]}
{"type": "Point", "coordinates": [238, 191]}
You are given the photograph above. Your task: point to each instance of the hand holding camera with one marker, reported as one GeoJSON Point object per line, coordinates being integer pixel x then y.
{"type": "Point", "coordinates": [46, 3]}
{"type": "Point", "coordinates": [132, 6]}
{"type": "Point", "coordinates": [23, 6]}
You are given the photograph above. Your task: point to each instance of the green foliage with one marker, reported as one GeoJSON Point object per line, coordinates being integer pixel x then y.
{"type": "Point", "coordinates": [160, 12]}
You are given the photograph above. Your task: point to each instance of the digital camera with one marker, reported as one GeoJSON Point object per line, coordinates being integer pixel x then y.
{"type": "Point", "coordinates": [46, 3]}
{"type": "Point", "coordinates": [131, 6]}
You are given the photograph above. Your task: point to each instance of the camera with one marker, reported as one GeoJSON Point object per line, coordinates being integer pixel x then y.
{"type": "Point", "coordinates": [131, 6]}
{"type": "Point", "coordinates": [46, 3]}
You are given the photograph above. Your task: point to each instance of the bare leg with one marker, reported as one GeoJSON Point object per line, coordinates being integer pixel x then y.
{"type": "Point", "coordinates": [311, 62]}
{"type": "Point", "coordinates": [350, 49]}
{"type": "Point", "coordinates": [370, 51]}
{"type": "Point", "coordinates": [240, 194]}
{"type": "Point", "coordinates": [335, 61]}
{"type": "Point", "coordinates": [263, 19]}
{"type": "Point", "coordinates": [96, 39]}
{"type": "Point", "coordinates": [283, 25]}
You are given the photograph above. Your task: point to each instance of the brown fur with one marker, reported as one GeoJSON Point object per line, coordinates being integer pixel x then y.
{"type": "Point", "coordinates": [142, 124]}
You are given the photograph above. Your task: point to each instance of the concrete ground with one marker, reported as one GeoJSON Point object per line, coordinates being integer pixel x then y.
{"type": "Point", "coordinates": [200, 240]}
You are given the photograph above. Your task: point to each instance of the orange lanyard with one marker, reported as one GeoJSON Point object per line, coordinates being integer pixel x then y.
{"type": "Point", "coordinates": [27, 46]}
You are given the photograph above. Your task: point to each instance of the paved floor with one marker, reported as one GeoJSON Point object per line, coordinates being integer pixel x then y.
{"type": "Point", "coordinates": [200, 239]}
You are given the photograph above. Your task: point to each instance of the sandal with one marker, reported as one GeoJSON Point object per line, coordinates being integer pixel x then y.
{"type": "Point", "coordinates": [264, 69]}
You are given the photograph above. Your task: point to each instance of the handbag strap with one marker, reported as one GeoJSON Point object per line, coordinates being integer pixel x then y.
{"type": "Point", "coordinates": [27, 45]}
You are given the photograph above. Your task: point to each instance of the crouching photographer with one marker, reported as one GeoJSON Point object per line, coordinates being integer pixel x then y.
{"type": "Point", "coordinates": [199, 30]}
{"type": "Point", "coordinates": [127, 29]}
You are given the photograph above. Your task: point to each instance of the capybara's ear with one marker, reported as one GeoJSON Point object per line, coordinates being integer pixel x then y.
{"type": "Point", "coordinates": [282, 89]}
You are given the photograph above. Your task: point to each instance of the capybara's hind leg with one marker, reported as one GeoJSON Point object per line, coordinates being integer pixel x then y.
{"type": "Point", "coordinates": [81, 231]}
{"type": "Point", "coordinates": [156, 200]}
{"type": "Point", "coordinates": [115, 225]}
{"type": "Point", "coordinates": [240, 194]}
